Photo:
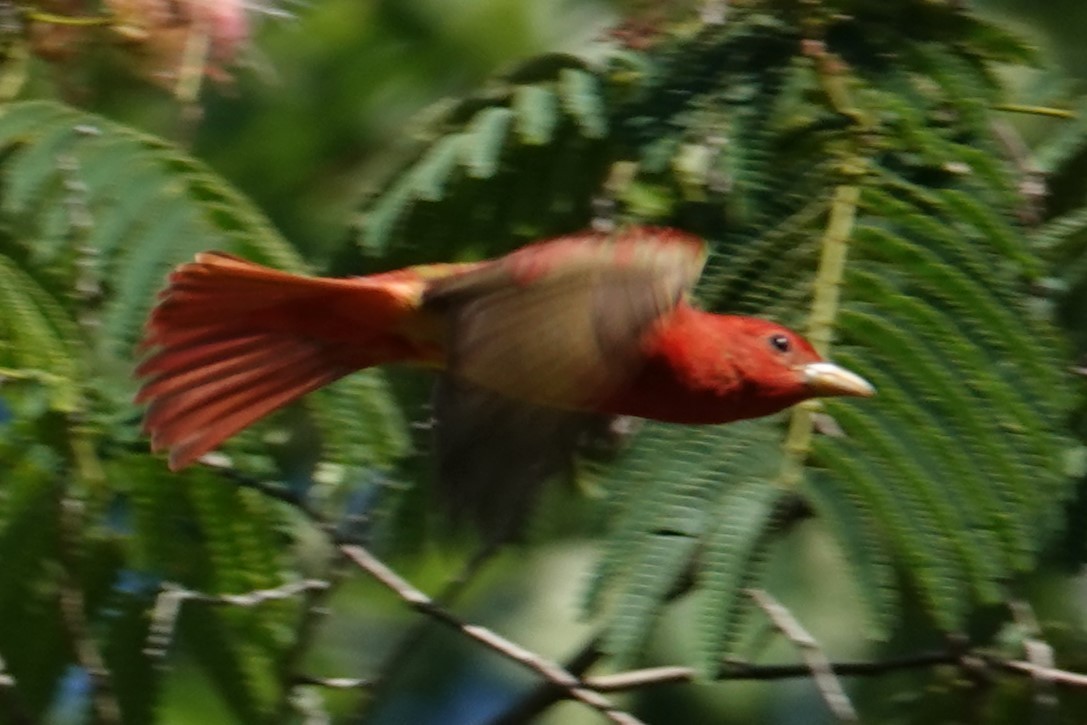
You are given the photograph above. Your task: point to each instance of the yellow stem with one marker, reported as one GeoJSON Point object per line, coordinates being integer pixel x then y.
{"type": "Point", "coordinates": [835, 81]}
{"type": "Point", "coordinates": [70, 20]}
{"type": "Point", "coordinates": [828, 281]}
{"type": "Point", "coordinates": [824, 310]}
{"type": "Point", "coordinates": [1035, 110]}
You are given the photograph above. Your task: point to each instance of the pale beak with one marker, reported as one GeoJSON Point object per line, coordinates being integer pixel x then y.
{"type": "Point", "coordinates": [826, 379]}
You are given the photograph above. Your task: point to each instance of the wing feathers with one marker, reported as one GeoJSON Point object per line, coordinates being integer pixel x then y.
{"type": "Point", "coordinates": [561, 323]}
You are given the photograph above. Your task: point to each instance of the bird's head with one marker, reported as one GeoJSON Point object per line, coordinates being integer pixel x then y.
{"type": "Point", "coordinates": [709, 368]}
{"type": "Point", "coordinates": [783, 368]}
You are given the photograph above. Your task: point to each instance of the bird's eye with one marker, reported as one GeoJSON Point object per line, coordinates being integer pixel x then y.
{"type": "Point", "coordinates": [779, 343]}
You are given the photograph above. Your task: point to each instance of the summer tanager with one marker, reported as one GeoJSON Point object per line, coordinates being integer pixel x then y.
{"type": "Point", "coordinates": [590, 322]}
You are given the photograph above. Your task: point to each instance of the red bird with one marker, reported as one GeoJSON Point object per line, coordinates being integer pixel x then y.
{"type": "Point", "coordinates": [590, 322]}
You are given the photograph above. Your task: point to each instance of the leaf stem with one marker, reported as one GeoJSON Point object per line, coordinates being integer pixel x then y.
{"type": "Point", "coordinates": [824, 311]}
{"type": "Point", "coordinates": [828, 281]}
{"type": "Point", "coordinates": [72, 21]}
{"type": "Point", "coordinates": [1035, 110]}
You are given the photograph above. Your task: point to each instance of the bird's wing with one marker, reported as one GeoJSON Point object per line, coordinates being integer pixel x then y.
{"type": "Point", "coordinates": [493, 455]}
{"type": "Point", "coordinates": [560, 323]}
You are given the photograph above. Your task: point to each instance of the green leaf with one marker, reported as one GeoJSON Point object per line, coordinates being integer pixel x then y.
{"type": "Point", "coordinates": [734, 550]}
{"type": "Point", "coordinates": [37, 339]}
{"type": "Point", "coordinates": [537, 114]}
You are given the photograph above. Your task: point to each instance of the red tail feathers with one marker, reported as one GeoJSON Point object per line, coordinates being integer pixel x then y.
{"type": "Point", "coordinates": [232, 341]}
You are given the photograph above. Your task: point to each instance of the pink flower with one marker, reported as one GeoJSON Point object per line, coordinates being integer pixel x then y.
{"type": "Point", "coordinates": [168, 36]}
{"type": "Point", "coordinates": [226, 24]}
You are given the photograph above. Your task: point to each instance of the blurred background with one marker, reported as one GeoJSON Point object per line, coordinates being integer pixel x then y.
{"type": "Point", "coordinates": [322, 95]}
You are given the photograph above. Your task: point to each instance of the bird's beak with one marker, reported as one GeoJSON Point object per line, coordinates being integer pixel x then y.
{"type": "Point", "coordinates": [826, 379]}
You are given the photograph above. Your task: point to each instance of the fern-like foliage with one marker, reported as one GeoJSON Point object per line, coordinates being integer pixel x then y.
{"type": "Point", "coordinates": [92, 216]}
{"type": "Point", "coordinates": [505, 166]}
{"type": "Point", "coordinates": [786, 136]}
{"type": "Point", "coordinates": [763, 134]}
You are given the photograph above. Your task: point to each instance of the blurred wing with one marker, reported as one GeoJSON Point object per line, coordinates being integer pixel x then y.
{"type": "Point", "coordinates": [560, 324]}
{"type": "Point", "coordinates": [494, 455]}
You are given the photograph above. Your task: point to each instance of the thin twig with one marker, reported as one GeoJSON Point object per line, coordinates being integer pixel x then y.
{"type": "Point", "coordinates": [73, 615]}
{"type": "Point", "coordinates": [362, 558]}
{"type": "Point", "coordinates": [745, 671]}
{"type": "Point", "coordinates": [1062, 678]}
{"type": "Point", "coordinates": [313, 611]}
{"type": "Point", "coordinates": [167, 608]}
{"type": "Point", "coordinates": [87, 654]}
{"type": "Point", "coordinates": [750, 672]}
{"type": "Point", "coordinates": [273, 491]}
{"type": "Point", "coordinates": [80, 219]}
{"type": "Point", "coordinates": [1040, 654]}
{"type": "Point", "coordinates": [333, 683]}
{"type": "Point", "coordinates": [818, 663]}
{"type": "Point", "coordinates": [409, 643]}
{"type": "Point", "coordinates": [732, 670]}
{"type": "Point", "coordinates": [637, 679]}
{"type": "Point", "coordinates": [549, 670]}
{"type": "Point", "coordinates": [1032, 182]}
{"type": "Point", "coordinates": [548, 693]}
{"type": "Point", "coordinates": [1035, 110]}
{"type": "Point", "coordinates": [565, 682]}
{"type": "Point", "coordinates": [312, 606]}
{"type": "Point", "coordinates": [252, 598]}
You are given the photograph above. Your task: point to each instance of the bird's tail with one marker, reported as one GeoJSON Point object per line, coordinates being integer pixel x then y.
{"type": "Point", "coordinates": [230, 341]}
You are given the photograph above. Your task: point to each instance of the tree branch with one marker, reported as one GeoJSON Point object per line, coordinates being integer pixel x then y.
{"type": "Point", "coordinates": [1063, 678]}
{"type": "Point", "coordinates": [745, 671]}
{"type": "Point", "coordinates": [168, 607]}
{"type": "Point", "coordinates": [555, 675]}
{"type": "Point", "coordinates": [550, 671]}
{"type": "Point", "coordinates": [1040, 654]}
{"type": "Point", "coordinates": [750, 672]}
{"type": "Point", "coordinates": [313, 611]}
{"type": "Point", "coordinates": [566, 682]}
{"type": "Point", "coordinates": [73, 614]}
{"type": "Point", "coordinates": [818, 663]}
{"type": "Point", "coordinates": [409, 643]}
{"type": "Point", "coordinates": [334, 683]}
{"type": "Point", "coordinates": [273, 491]}
{"type": "Point", "coordinates": [546, 694]}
